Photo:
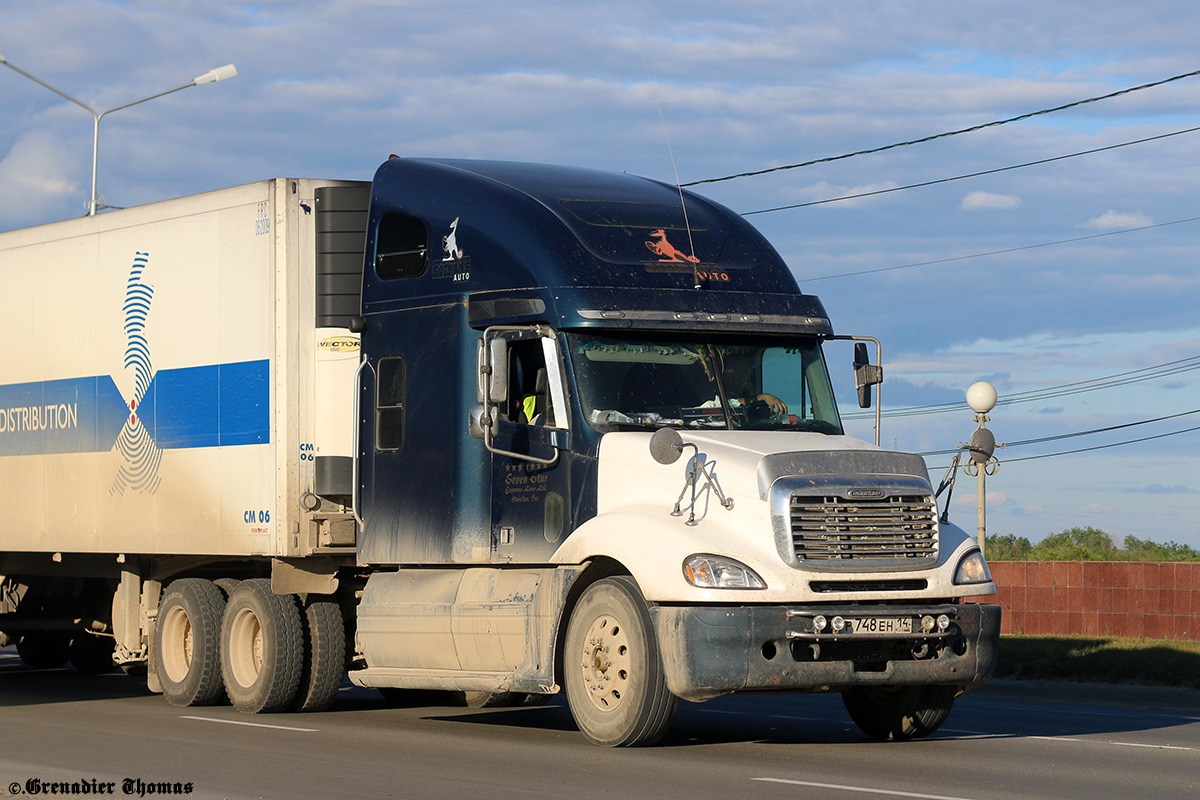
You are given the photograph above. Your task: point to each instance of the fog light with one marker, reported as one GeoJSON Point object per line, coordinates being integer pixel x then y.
{"type": "Point", "coordinates": [838, 624]}
{"type": "Point", "coordinates": [819, 623]}
{"type": "Point", "coordinates": [927, 623]}
{"type": "Point", "coordinates": [943, 622]}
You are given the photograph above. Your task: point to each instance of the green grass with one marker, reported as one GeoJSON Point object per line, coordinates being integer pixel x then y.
{"type": "Point", "coordinates": [1100, 659]}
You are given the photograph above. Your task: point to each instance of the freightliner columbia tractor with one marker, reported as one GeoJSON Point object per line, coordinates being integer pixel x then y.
{"type": "Point", "coordinates": [492, 428]}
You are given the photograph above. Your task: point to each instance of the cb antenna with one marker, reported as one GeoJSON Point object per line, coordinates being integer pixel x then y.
{"type": "Point", "coordinates": [678, 185]}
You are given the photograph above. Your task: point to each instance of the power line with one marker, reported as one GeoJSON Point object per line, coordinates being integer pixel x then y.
{"type": "Point", "coordinates": [935, 136]}
{"type": "Point", "coordinates": [1090, 449]}
{"type": "Point", "coordinates": [875, 192]}
{"type": "Point", "coordinates": [1000, 252]}
{"type": "Point", "coordinates": [1060, 390]}
{"type": "Point", "coordinates": [1059, 437]}
{"type": "Point", "coordinates": [1102, 446]}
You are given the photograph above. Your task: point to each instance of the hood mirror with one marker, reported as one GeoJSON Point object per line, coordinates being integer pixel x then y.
{"type": "Point", "coordinates": [666, 446]}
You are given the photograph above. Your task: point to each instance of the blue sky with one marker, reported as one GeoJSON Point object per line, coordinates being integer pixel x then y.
{"type": "Point", "coordinates": [330, 89]}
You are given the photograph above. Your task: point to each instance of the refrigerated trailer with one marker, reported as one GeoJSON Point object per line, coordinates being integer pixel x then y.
{"type": "Point", "coordinates": [501, 429]}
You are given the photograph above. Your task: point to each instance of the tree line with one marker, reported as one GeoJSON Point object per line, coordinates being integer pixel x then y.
{"type": "Point", "coordinates": [1084, 544]}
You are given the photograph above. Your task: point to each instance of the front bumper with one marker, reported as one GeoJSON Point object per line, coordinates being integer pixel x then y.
{"type": "Point", "coordinates": [708, 651]}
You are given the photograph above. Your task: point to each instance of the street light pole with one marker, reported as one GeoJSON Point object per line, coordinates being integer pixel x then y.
{"type": "Point", "coordinates": [981, 397]}
{"type": "Point", "coordinates": [213, 75]}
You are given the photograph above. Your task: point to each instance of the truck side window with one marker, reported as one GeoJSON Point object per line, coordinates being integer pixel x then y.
{"type": "Point", "coordinates": [389, 404]}
{"type": "Point", "coordinates": [401, 247]}
{"type": "Point", "coordinates": [529, 392]}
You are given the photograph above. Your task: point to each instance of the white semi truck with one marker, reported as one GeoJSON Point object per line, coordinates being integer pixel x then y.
{"type": "Point", "coordinates": [504, 429]}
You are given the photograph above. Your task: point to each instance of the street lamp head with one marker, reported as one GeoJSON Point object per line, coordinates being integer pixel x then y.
{"type": "Point", "coordinates": [218, 74]}
{"type": "Point", "coordinates": [981, 397]}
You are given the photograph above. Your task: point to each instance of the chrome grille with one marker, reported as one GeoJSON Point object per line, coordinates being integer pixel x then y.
{"type": "Point", "coordinates": [829, 529]}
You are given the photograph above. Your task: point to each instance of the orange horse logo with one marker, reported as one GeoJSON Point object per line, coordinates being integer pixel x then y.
{"type": "Point", "coordinates": [664, 248]}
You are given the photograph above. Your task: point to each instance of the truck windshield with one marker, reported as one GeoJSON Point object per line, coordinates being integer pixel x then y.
{"type": "Point", "coordinates": [632, 382]}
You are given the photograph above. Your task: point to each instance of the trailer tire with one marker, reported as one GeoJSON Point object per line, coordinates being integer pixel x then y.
{"type": "Point", "coordinates": [44, 649]}
{"type": "Point", "coordinates": [324, 665]}
{"type": "Point", "coordinates": [226, 585]}
{"type": "Point", "coordinates": [187, 642]}
{"type": "Point", "coordinates": [261, 648]}
{"type": "Point", "coordinates": [92, 655]}
{"type": "Point", "coordinates": [613, 671]}
{"type": "Point", "coordinates": [899, 712]}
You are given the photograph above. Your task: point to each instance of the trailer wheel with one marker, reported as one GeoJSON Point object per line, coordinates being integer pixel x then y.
{"type": "Point", "coordinates": [613, 671]}
{"type": "Point", "coordinates": [187, 640]}
{"type": "Point", "coordinates": [324, 665]}
{"type": "Point", "coordinates": [44, 649]}
{"type": "Point", "coordinates": [92, 654]}
{"type": "Point", "coordinates": [226, 585]}
{"type": "Point", "coordinates": [261, 648]}
{"type": "Point", "coordinates": [899, 712]}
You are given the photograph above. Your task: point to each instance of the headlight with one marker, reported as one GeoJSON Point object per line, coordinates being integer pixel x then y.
{"type": "Point", "coordinates": [718, 572]}
{"type": "Point", "coordinates": [972, 569]}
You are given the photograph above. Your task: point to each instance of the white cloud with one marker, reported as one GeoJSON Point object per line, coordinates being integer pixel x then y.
{"type": "Point", "coordinates": [581, 83]}
{"type": "Point", "coordinates": [969, 499]}
{"type": "Point", "coordinates": [1116, 220]}
{"type": "Point", "coordinates": [36, 180]}
{"type": "Point", "coordinates": [977, 201]}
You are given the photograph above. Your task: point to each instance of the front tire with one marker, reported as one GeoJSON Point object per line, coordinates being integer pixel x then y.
{"type": "Point", "coordinates": [899, 712]}
{"type": "Point", "coordinates": [261, 648]}
{"type": "Point", "coordinates": [187, 641]}
{"type": "Point", "coordinates": [613, 671]}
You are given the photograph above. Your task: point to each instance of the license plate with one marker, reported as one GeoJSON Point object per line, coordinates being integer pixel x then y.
{"type": "Point", "coordinates": [879, 625]}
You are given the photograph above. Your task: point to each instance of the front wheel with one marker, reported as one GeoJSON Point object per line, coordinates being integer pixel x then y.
{"type": "Point", "coordinates": [613, 671]}
{"type": "Point", "coordinates": [899, 712]}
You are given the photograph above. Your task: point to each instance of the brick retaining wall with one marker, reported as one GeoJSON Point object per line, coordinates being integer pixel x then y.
{"type": "Point", "coordinates": [1119, 598]}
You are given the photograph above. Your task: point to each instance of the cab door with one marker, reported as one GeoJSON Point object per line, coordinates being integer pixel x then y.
{"type": "Point", "coordinates": [529, 441]}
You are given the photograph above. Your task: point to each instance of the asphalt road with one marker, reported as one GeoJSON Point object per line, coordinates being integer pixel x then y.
{"type": "Point", "coordinates": [77, 734]}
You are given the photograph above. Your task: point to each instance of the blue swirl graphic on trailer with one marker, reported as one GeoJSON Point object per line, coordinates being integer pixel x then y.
{"type": "Point", "coordinates": [142, 457]}
{"type": "Point", "coordinates": [214, 405]}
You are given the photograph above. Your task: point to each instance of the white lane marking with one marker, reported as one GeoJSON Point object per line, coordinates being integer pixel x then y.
{"type": "Point", "coordinates": [253, 724]}
{"type": "Point", "coordinates": [1072, 739]}
{"type": "Point", "coordinates": [863, 789]}
{"type": "Point", "coordinates": [978, 733]}
{"type": "Point", "coordinates": [1133, 714]}
{"type": "Point", "coordinates": [1117, 744]}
